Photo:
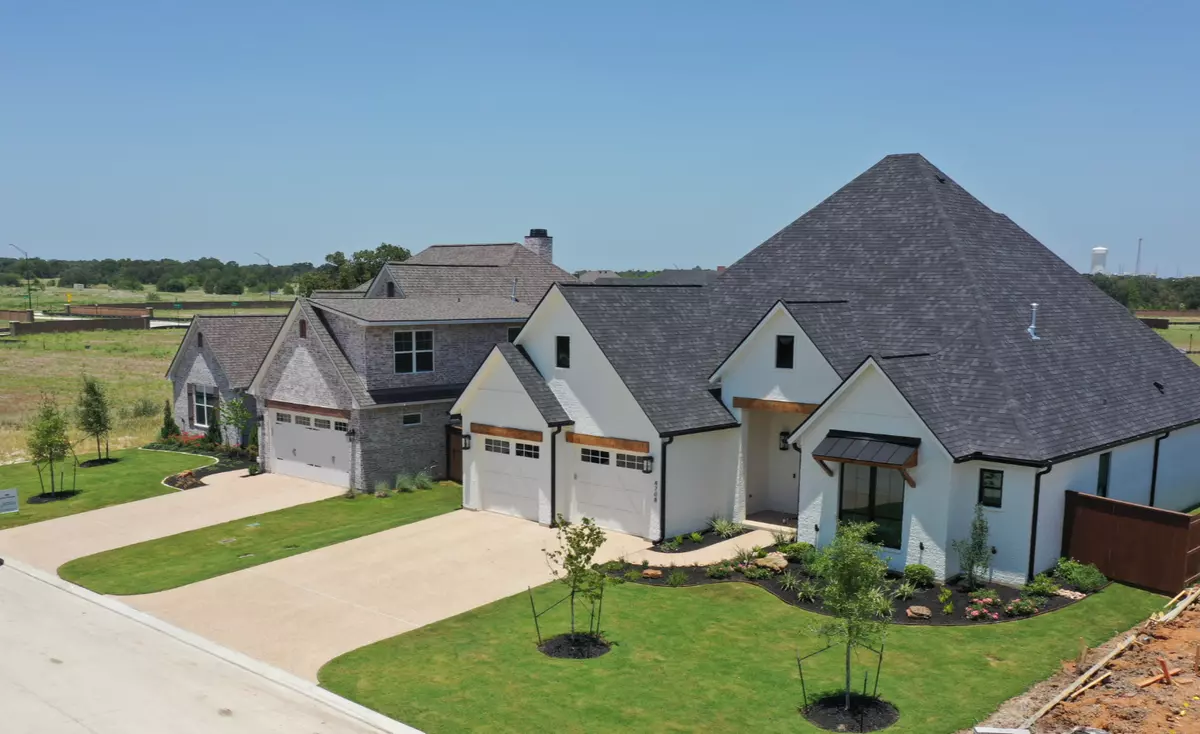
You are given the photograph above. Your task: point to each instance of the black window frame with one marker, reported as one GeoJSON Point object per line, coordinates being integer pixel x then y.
{"type": "Point", "coordinates": [785, 351]}
{"type": "Point", "coordinates": [1104, 474]}
{"type": "Point", "coordinates": [600, 457]}
{"type": "Point", "coordinates": [984, 499]}
{"type": "Point", "coordinates": [404, 419]}
{"type": "Point", "coordinates": [415, 351]}
{"type": "Point", "coordinates": [527, 450]}
{"type": "Point", "coordinates": [390, 289]}
{"type": "Point", "coordinates": [497, 445]}
{"type": "Point", "coordinates": [875, 537]}
{"type": "Point", "coordinates": [562, 352]}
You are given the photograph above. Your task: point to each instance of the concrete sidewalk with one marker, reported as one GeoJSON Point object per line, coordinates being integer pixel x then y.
{"type": "Point", "coordinates": [226, 496]}
{"type": "Point", "coordinates": [77, 663]}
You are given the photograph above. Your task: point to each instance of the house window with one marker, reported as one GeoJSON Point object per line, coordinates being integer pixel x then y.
{"type": "Point", "coordinates": [414, 351]}
{"type": "Point", "coordinates": [303, 329]}
{"type": "Point", "coordinates": [1102, 477]}
{"type": "Point", "coordinates": [321, 423]}
{"type": "Point", "coordinates": [874, 494]}
{"type": "Point", "coordinates": [528, 450]}
{"type": "Point", "coordinates": [391, 289]}
{"type": "Point", "coordinates": [991, 487]}
{"type": "Point", "coordinates": [411, 419]}
{"type": "Point", "coordinates": [206, 408]}
{"type": "Point", "coordinates": [785, 351]}
{"type": "Point", "coordinates": [200, 340]}
{"type": "Point", "coordinates": [562, 351]}
{"type": "Point", "coordinates": [630, 461]}
{"type": "Point", "coordinates": [512, 333]}
{"type": "Point", "coordinates": [495, 445]}
{"type": "Point", "coordinates": [593, 456]}
{"type": "Point", "coordinates": [340, 426]}
{"type": "Point", "coordinates": [283, 417]}
{"type": "Point", "coordinates": [303, 420]}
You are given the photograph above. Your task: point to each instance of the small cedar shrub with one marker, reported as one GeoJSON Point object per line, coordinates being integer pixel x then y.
{"type": "Point", "coordinates": [919, 574]}
{"type": "Point", "coordinates": [1042, 585]}
{"type": "Point", "coordinates": [1084, 577]}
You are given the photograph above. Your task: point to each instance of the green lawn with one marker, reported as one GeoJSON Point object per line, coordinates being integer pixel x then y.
{"type": "Point", "coordinates": [136, 476]}
{"type": "Point", "coordinates": [186, 558]}
{"type": "Point", "coordinates": [717, 658]}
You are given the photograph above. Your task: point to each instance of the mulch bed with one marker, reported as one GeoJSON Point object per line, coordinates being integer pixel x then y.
{"type": "Point", "coordinates": [696, 576]}
{"type": "Point", "coordinates": [578, 646]}
{"type": "Point", "coordinates": [96, 462]}
{"type": "Point", "coordinates": [41, 499]}
{"type": "Point", "coordinates": [865, 714]}
{"type": "Point", "coordinates": [192, 478]}
{"type": "Point", "coordinates": [708, 538]}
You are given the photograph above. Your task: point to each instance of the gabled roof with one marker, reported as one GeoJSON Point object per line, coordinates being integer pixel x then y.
{"type": "Point", "coordinates": [477, 270]}
{"type": "Point", "coordinates": [939, 287]}
{"type": "Point", "coordinates": [654, 337]}
{"type": "Point", "coordinates": [535, 385]}
{"type": "Point", "coordinates": [238, 343]}
{"type": "Point", "coordinates": [694, 276]}
{"type": "Point", "coordinates": [318, 331]}
{"type": "Point", "coordinates": [432, 310]}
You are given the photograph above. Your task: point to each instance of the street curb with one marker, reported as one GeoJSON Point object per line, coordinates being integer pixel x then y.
{"type": "Point", "coordinates": [355, 711]}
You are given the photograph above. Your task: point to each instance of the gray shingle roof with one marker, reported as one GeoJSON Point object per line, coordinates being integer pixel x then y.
{"type": "Point", "coordinates": [355, 293]}
{"type": "Point", "coordinates": [535, 385]}
{"type": "Point", "coordinates": [653, 336]}
{"type": "Point", "coordinates": [431, 309]}
{"type": "Point", "coordinates": [239, 343]}
{"type": "Point", "coordinates": [477, 270]}
{"type": "Point", "coordinates": [694, 276]}
{"type": "Point", "coordinates": [926, 269]}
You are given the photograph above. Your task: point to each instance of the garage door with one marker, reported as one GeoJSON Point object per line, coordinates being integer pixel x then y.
{"type": "Point", "coordinates": [311, 446]}
{"type": "Point", "coordinates": [611, 488]}
{"type": "Point", "coordinates": [510, 474]}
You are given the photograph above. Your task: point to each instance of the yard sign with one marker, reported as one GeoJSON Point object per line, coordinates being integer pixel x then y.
{"type": "Point", "coordinates": [8, 501]}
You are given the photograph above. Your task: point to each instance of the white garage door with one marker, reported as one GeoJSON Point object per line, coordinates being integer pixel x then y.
{"type": "Point", "coordinates": [610, 488]}
{"type": "Point", "coordinates": [311, 447]}
{"type": "Point", "coordinates": [509, 474]}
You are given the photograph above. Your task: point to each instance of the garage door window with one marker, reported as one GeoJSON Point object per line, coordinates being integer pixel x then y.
{"type": "Point", "coordinates": [631, 461]}
{"type": "Point", "coordinates": [321, 423]}
{"type": "Point", "coordinates": [303, 420]}
{"type": "Point", "coordinates": [528, 450]}
{"type": "Point", "coordinates": [414, 351]}
{"type": "Point", "coordinates": [206, 408]}
{"type": "Point", "coordinates": [340, 426]}
{"type": "Point", "coordinates": [593, 456]}
{"type": "Point", "coordinates": [495, 445]}
{"type": "Point", "coordinates": [283, 417]}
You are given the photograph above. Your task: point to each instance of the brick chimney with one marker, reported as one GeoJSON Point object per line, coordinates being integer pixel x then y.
{"type": "Point", "coordinates": [540, 242]}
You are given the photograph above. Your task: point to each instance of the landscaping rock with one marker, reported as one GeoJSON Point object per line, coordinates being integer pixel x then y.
{"type": "Point", "coordinates": [774, 561]}
{"type": "Point", "coordinates": [651, 573]}
{"type": "Point", "coordinates": [919, 612]}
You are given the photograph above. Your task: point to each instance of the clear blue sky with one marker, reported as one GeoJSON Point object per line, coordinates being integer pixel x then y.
{"type": "Point", "coordinates": [641, 134]}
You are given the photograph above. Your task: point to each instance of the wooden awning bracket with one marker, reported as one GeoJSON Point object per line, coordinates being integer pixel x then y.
{"type": "Point", "coordinates": [821, 463]}
{"type": "Point", "coordinates": [908, 478]}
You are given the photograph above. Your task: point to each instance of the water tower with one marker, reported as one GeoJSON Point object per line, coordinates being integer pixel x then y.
{"type": "Point", "coordinates": [1099, 260]}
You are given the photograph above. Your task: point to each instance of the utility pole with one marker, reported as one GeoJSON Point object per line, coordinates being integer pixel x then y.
{"type": "Point", "coordinates": [268, 262]}
{"type": "Point", "coordinates": [1137, 264]}
{"type": "Point", "coordinates": [28, 282]}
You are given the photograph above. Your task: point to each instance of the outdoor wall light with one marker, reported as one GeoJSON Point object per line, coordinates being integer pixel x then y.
{"type": "Point", "coordinates": [921, 545]}
{"type": "Point", "coordinates": [816, 528]}
{"type": "Point", "coordinates": [993, 550]}
{"type": "Point", "coordinates": [647, 464]}
{"type": "Point", "coordinates": [466, 441]}
{"type": "Point", "coordinates": [783, 440]}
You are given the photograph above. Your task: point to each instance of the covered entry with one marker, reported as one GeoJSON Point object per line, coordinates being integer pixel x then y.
{"type": "Point", "coordinates": [310, 445]}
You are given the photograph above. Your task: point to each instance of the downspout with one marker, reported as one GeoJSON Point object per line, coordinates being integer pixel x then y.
{"type": "Point", "coordinates": [1154, 468]}
{"type": "Point", "coordinates": [662, 490]}
{"type": "Point", "coordinates": [554, 473]}
{"type": "Point", "coordinates": [1033, 525]}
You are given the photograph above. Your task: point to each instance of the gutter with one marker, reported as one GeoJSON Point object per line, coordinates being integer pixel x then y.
{"type": "Point", "coordinates": [554, 473]}
{"type": "Point", "coordinates": [1154, 467]}
{"type": "Point", "coordinates": [978, 456]}
{"type": "Point", "coordinates": [706, 429]}
{"type": "Point", "coordinates": [1033, 524]}
{"type": "Point", "coordinates": [662, 489]}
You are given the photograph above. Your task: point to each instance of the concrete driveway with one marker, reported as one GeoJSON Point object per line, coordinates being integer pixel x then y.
{"type": "Point", "coordinates": [300, 612]}
{"type": "Point", "coordinates": [226, 496]}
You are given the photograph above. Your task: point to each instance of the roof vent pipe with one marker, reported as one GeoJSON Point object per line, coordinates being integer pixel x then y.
{"type": "Point", "coordinates": [1033, 324]}
{"type": "Point", "coordinates": [514, 290]}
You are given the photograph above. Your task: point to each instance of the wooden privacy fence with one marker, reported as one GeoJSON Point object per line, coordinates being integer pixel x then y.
{"type": "Point", "coordinates": [58, 327]}
{"type": "Point", "coordinates": [16, 315]}
{"type": "Point", "coordinates": [1136, 544]}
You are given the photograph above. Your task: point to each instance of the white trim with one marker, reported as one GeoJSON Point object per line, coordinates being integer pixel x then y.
{"type": "Point", "coordinates": [404, 420]}
{"type": "Point", "coordinates": [414, 352]}
{"type": "Point", "coordinates": [197, 391]}
{"type": "Point", "coordinates": [836, 395]}
{"type": "Point", "coordinates": [778, 307]}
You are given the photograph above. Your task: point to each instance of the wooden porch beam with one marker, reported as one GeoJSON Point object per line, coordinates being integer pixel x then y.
{"type": "Point", "coordinates": [313, 409]}
{"type": "Point", "coordinates": [775, 406]}
{"type": "Point", "coordinates": [607, 442]}
{"type": "Point", "coordinates": [519, 434]}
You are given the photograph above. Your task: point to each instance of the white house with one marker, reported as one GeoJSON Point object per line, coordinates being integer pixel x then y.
{"type": "Point", "coordinates": [879, 359]}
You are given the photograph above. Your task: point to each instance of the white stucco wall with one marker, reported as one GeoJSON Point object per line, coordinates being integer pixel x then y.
{"type": "Point", "coordinates": [871, 404]}
{"type": "Point", "coordinates": [701, 478]}
{"type": "Point", "coordinates": [771, 474]}
{"type": "Point", "coordinates": [1178, 477]}
{"type": "Point", "coordinates": [752, 373]}
{"type": "Point", "coordinates": [1008, 525]}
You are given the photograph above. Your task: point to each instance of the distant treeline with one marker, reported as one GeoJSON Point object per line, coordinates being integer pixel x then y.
{"type": "Point", "coordinates": [1148, 292]}
{"type": "Point", "coordinates": [170, 276]}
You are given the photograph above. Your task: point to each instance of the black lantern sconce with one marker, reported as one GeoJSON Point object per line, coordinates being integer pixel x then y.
{"type": "Point", "coordinates": [466, 442]}
{"type": "Point", "coordinates": [783, 440]}
{"type": "Point", "coordinates": [647, 464]}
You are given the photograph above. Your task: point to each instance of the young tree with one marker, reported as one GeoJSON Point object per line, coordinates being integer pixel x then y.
{"type": "Point", "coordinates": [974, 553]}
{"type": "Point", "coordinates": [170, 428]}
{"type": "Point", "coordinates": [850, 578]}
{"type": "Point", "coordinates": [235, 415]}
{"type": "Point", "coordinates": [95, 416]}
{"type": "Point", "coordinates": [212, 435]}
{"type": "Point", "coordinates": [47, 437]}
{"type": "Point", "coordinates": [572, 565]}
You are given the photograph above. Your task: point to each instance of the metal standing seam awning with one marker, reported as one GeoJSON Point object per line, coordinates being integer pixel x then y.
{"type": "Point", "coordinates": [869, 449]}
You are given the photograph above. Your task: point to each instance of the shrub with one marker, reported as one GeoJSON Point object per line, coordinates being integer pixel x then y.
{"type": "Point", "coordinates": [920, 575]}
{"type": "Point", "coordinates": [744, 557]}
{"type": "Point", "coordinates": [1021, 607]}
{"type": "Point", "coordinates": [945, 594]}
{"type": "Point", "coordinates": [670, 546]}
{"type": "Point", "coordinates": [719, 571]}
{"type": "Point", "coordinates": [801, 553]}
{"type": "Point", "coordinates": [782, 537]}
{"type": "Point", "coordinates": [725, 528]}
{"type": "Point", "coordinates": [948, 608]}
{"type": "Point", "coordinates": [760, 552]}
{"type": "Point", "coordinates": [696, 538]}
{"type": "Point", "coordinates": [986, 597]}
{"type": "Point", "coordinates": [405, 482]}
{"type": "Point", "coordinates": [807, 591]}
{"type": "Point", "coordinates": [1042, 586]}
{"type": "Point", "coordinates": [906, 590]}
{"type": "Point", "coordinates": [756, 573]}
{"type": "Point", "coordinates": [789, 580]}
{"type": "Point", "coordinates": [170, 429]}
{"type": "Point", "coordinates": [350, 493]}
{"type": "Point", "coordinates": [633, 575]}
{"type": "Point", "coordinates": [422, 480]}
{"type": "Point", "coordinates": [1083, 577]}
{"type": "Point", "coordinates": [253, 470]}
{"type": "Point", "coordinates": [974, 553]}
{"type": "Point", "coordinates": [382, 489]}
{"type": "Point", "coordinates": [977, 611]}
{"type": "Point", "coordinates": [612, 566]}
{"type": "Point", "coordinates": [143, 408]}
{"type": "Point", "coordinates": [676, 578]}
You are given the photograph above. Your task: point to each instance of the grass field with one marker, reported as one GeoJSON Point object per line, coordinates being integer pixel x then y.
{"type": "Point", "coordinates": [132, 364]}
{"type": "Point", "coordinates": [54, 298]}
{"type": "Point", "coordinates": [136, 475]}
{"type": "Point", "coordinates": [1187, 337]}
{"type": "Point", "coordinates": [719, 658]}
{"type": "Point", "coordinates": [177, 560]}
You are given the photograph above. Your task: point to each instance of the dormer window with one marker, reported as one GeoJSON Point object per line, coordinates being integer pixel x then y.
{"type": "Point", "coordinates": [200, 340]}
{"type": "Point", "coordinates": [303, 329]}
{"type": "Point", "coordinates": [785, 351]}
{"type": "Point", "coordinates": [391, 289]}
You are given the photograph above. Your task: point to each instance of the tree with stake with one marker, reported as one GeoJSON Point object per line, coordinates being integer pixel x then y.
{"type": "Point", "coordinates": [974, 553]}
{"type": "Point", "coordinates": [850, 575]}
{"type": "Point", "coordinates": [235, 415]}
{"type": "Point", "coordinates": [572, 565]}
{"type": "Point", "coordinates": [95, 416]}
{"type": "Point", "coordinates": [47, 441]}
